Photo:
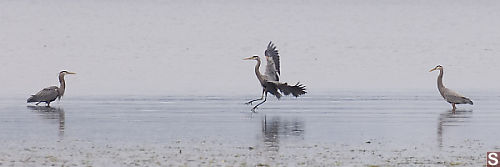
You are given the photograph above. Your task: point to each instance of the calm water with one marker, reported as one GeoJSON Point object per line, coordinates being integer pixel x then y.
{"type": "Point", "coordinates": [349, 118]}
{"type": "Point", "coordinates": [192, 47]}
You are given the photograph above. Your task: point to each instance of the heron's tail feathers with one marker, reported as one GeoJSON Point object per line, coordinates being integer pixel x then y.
{"type": "Point", "coordinates": [32, 99]}
{"type": "Point", "coordinates": [296, 90]}
{"type": "Point", "coordinates": [468, 101]}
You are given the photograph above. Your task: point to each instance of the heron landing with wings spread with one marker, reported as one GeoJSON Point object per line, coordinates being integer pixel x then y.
{"type": "Point", "coordinates": [52, 93]}
{"type": "Point", "coordinates": [270, 80]}
{"type": "Point", "coordinates": [449, 95]}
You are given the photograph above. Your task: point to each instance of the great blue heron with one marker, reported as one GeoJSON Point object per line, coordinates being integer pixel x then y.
{"type": "Point", "coordinates": [52, 93]}
{"type": "Point", "coordinates": [449, 95]}
{"type": "Point", "coordinates": [270, 81]}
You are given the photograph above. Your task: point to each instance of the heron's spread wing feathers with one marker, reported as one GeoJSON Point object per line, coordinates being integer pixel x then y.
{"type": "Point", "coordinates": [273, 62]}
{"type": "Point", "coordinates": [45, 95]}
{"type": "Point", "coordinates": [272, 88]}
{"type": "Point", "coordinates": [296, 90]}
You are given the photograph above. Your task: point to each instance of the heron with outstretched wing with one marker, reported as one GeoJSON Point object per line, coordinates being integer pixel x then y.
{"type": "Point", "coordinates": [270, 80]}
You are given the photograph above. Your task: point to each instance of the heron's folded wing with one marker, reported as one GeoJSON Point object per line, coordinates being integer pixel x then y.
{"type": "Point", "coordinates": [453, 97]}
{"type": "Point", "coordinates": [47, 94]}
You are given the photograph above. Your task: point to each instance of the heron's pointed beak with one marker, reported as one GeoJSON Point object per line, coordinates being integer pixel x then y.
{"type": "Point", "coordinates": [432, 69]}
{"type": "Point", "coordinates": [71, 73]}
{"type": "Point", "coordinates": [248, 58]}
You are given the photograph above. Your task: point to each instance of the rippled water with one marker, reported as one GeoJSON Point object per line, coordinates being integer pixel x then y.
{"type": "Point", "coordinates": [381, 122]}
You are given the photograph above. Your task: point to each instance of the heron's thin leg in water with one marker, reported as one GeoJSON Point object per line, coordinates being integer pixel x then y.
{"type": "Point", "coordinates": [261, 97]}
{"type": "Point", "coordinates": [453, 105]}
{"type": "Point", "coordinates": [265, 98]}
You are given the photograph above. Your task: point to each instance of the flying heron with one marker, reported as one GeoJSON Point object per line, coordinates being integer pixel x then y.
{"type": "Point", "coordinates": [449, 95]}
{"type": "Point", "coordinates": [270, 80]}
{"type": "Point", "coordinates": [52, 93]}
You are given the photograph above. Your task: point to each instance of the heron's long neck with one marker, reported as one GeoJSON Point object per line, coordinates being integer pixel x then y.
{"type": "Point", "coordinates": [257, 71]}
{"type": "Point", "coordinates": [440, 81]}
{"type": "Point", "coordinates": [62, 86]}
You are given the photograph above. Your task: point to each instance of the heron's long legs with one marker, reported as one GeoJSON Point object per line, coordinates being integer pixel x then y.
{"type": "Point", "coordinates": [265, 98]}
{"type": "Point", "coordinates": [261, 97]}
{"type": "Point", "coordinates": [453, 105]}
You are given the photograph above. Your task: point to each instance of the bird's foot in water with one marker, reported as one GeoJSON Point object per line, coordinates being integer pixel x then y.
{"type": "Point", "coordinates": [251, 101]}
{"type": "Point", "coordinates": [253, 109]}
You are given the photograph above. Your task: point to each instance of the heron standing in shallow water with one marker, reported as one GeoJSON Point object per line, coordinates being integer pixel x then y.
{"type": "Point", "coordinates": [449, 95]}
{"type": "Point", "coordinates": [52, 93]}
{"type": "Point", "coordinates": [270, 80]}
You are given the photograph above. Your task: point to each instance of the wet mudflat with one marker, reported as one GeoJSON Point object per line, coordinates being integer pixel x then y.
{"type": "Point", "coordinates": [348, 128]}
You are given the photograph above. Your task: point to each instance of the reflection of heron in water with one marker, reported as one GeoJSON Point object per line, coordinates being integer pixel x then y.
{"type": "Point", "coordinates": [450, 119]}
{"type": "Point", "coordinates": [51, 113]}
{"type": "Point", "coordinates": [276, 128]}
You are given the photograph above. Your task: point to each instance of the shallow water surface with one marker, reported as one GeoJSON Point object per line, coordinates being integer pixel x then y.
{"type": "Point", "coordinates": [404, 128]}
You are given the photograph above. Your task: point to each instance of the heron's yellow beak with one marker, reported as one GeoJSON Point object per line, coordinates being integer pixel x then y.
{"type": "Point", "coordinates": [70, 73]}
{"type": "Point", "coordinates": [435, 68]}
{"type": "Point", "coordinates": [248, 58]}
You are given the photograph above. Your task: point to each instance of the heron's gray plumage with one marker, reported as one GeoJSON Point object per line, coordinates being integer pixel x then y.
{"type": "Point", "coordinates": [453, 97]}
{"type": "Point", "coordinates": [52, 93]}
{"type": "Point", "coordinates": [449, 95]}
{"type": "Point", "coordinates": [273, 62]}
{"type": "Point", "coordinates": [270, 81]}
{"type": "Point", "coordinates": [47, 95]}
{"type": "Point", "coordinates": [296, 90]}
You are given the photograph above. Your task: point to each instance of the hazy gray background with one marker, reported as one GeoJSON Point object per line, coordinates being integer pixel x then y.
{"type": "Point", "coordinates": [196, 47]}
